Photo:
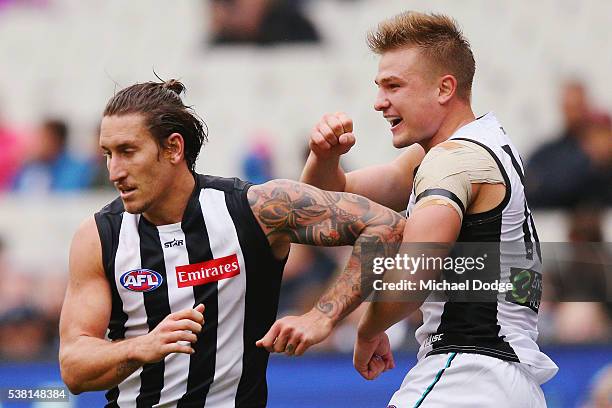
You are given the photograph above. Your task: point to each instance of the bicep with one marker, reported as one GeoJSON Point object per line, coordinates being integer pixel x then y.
{"type": "Point", "coordinates": [289, 211]}
{"type": "Point", "coordinates": [387, 184]}
{"type": "Point", "coordinates": [433, 223]}
{"type": "Point", "coordinates": [87, 304]}
{"type": "Point", "coordinates": [429, 233]}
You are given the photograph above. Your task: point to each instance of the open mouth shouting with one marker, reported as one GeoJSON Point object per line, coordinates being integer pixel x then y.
{"type": "Point", "coordinates": [394, 121]}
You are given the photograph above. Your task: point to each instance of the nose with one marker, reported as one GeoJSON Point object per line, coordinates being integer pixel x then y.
{"type": "Point", "coordinates": [381, 103]}
{"type": "Point", "coordinates": [116, 170]}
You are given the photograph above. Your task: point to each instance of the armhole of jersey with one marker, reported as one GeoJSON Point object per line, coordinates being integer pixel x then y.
{"type": "Point", "coordinates": [254, 226]}
{"type": "Point", "coordinates": [494, 212]}
{"type": "Point", "coordinates": [106, 239]}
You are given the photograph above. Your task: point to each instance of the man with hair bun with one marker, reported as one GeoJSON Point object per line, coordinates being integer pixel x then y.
{"type": "Point", "coordinates": [172, 283]}
{"type": "Point", "coordinates": [461, 180]}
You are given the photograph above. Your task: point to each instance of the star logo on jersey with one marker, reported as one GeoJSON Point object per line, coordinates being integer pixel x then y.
{"type": "Point", "coordinates": [174, 243]}
{"type": "Point", "coordinates": [141, 280]}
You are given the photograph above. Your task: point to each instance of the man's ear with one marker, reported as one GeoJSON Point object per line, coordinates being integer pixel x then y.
{"type": "Point", "coordinates": [174, 148]}
{"type": "Point", "coordinates": [447, 87]}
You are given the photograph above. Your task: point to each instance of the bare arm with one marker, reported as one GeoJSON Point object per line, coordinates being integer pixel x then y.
{"type": "Point", "coordinates": [435, 224]}
{"type": "Point", "coordinates": [291, 212]}
{"type": "Point", "coordinates": [87, 360]}
{"type": "Point", "coordinates": [325, 173]}
{"type": "Point", "coordinates": [330, 138]}
{"type": "Point", "coordinates": [388, 184]}
{"type": "Point", "coordinates": [430, 224]}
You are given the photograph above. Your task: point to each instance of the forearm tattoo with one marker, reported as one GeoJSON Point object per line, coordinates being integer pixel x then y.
{"type": "Point", "coordinates": [126, 368]}
{"type": "Point", "coordinates": [304, 214]}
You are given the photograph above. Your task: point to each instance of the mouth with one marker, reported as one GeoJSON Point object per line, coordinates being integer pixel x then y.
{"type": "Point", "coordinates": [394, 121]}
{"type": "Point", "coordinates": [126, 191]}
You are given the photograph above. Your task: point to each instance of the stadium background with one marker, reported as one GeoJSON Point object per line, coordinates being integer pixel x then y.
{"type": "Point", "coordinates": [62, 59]}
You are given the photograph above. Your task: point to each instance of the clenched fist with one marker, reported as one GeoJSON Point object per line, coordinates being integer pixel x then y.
{"type": "Point", "coordinates": [332, 136]}
{"type": "Point", "coordinates": [372, 357]}
{"type": "Point", "coordinates": [293, 335]}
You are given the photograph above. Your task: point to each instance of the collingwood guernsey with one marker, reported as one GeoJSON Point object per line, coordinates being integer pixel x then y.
{"type": "Point", "coordinates": [218, 256]}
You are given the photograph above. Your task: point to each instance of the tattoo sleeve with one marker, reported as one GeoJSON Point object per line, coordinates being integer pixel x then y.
{"type": "Point", "coordinates": [299, 213]}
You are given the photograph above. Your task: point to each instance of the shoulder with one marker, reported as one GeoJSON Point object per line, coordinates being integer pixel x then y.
{"type": "Point", "coordinates": [409, 159]}
{"type": "Point", "coordinates": [109, 217]}
{"type": "Point", "coordinates": [226, 184]}
{"type": "Point", "coordinates": [279, 188]}
{"type": "Point", "coordinates": [86, 241]}
{"type": "Point", "coordinates": [115, 207]}
{"type": "Point", "coordinates": [454, 156]}
{"type": "Point", "coordinates": [87, 228]}
{"type": "Point", "coordinates": [444, 159]}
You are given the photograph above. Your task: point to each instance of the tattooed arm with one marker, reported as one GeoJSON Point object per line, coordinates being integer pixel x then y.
{"type": "Point", "coordinates": [292, 212]}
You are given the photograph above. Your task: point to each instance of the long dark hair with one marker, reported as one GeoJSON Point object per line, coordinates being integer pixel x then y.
{"type": "Point", "coordinates": [164, 113]}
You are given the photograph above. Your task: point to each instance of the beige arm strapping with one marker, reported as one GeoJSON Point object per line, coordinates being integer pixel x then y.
{"type": "Point", "coordinates": [454, 166]}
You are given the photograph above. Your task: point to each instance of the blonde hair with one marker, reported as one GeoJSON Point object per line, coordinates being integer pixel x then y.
{"type": "Point", "coordinates": [439, 39]}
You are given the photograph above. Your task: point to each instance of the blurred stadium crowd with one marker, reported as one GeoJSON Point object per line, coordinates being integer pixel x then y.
{"type": "Point", "coordinates": [568, 171]}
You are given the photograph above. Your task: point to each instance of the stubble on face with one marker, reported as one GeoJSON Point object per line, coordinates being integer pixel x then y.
{"type": "Point", "coordinates": [133, 160]}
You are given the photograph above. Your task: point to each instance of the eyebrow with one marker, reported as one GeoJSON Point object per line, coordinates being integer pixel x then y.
{"type": "Point", "coordinates": [119, 147]}
{"type": "Point", "coordinates": [387, 79]}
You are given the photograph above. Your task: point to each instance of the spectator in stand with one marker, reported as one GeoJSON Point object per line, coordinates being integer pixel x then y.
{"type": "Point", "coordinates": [97, 161]}
{"type": "Point", "coordinates": [260, 22]}
{"type": "Point", "coordinates": [23, 335]}
{"type": "Point", "coordinates": [4, 4]}
{"type": "Point", "coordinates": [583, 314]}
{"type": "Point", "coordinates": [50, 167]}
{"type": "Point", "coordinates": [15, 286]}
{"type": "Point", "coordinates": [257, 162]}
{"type": "Point", "coordinates": [11, 153]}
{"type": "Point", "coordinates": [597, 143]}
{"type": "Point", "coordinates": [569, 171]}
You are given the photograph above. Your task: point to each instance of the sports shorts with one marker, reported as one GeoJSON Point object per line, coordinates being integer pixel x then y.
{"type": "Point", "coordinates": [468, 380]}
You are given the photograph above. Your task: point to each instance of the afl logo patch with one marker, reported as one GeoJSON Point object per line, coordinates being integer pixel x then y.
{"type": "Point", "coordinates": [141, 280]}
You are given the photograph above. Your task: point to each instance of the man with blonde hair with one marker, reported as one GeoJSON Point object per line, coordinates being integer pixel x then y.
{"type": "Point", "coordinates": [461, 180]}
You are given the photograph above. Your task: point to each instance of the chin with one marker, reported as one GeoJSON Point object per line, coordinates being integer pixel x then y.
{"type": "Point", "coordinates": [134, 208]}
{"type": "Point", "coordinates": [400, 142]}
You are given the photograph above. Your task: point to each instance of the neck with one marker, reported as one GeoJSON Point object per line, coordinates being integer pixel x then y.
{"type": "Point", "coordinates": [458, 116]}
{"type": "Point", "coordinates": [172, 206]}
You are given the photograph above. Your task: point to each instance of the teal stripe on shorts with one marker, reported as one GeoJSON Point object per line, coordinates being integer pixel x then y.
{"type": "Point", "coordinates": [428, 390]}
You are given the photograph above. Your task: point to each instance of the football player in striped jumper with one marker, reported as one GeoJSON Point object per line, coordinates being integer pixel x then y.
{"type": "Point", "coordinates": [173, 282]}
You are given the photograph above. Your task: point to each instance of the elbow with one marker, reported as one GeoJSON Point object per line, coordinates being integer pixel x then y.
{"type": "Point", "coordinates": [71, 382]}
{"type": "Point", "coordinates": [394, 231]}
{"type": "Point", "coordinates": [400, 225]}
{"type": "Point", "coordinates": [70, 376]}
{"type": "Point", "coordinates": [74, 388]}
